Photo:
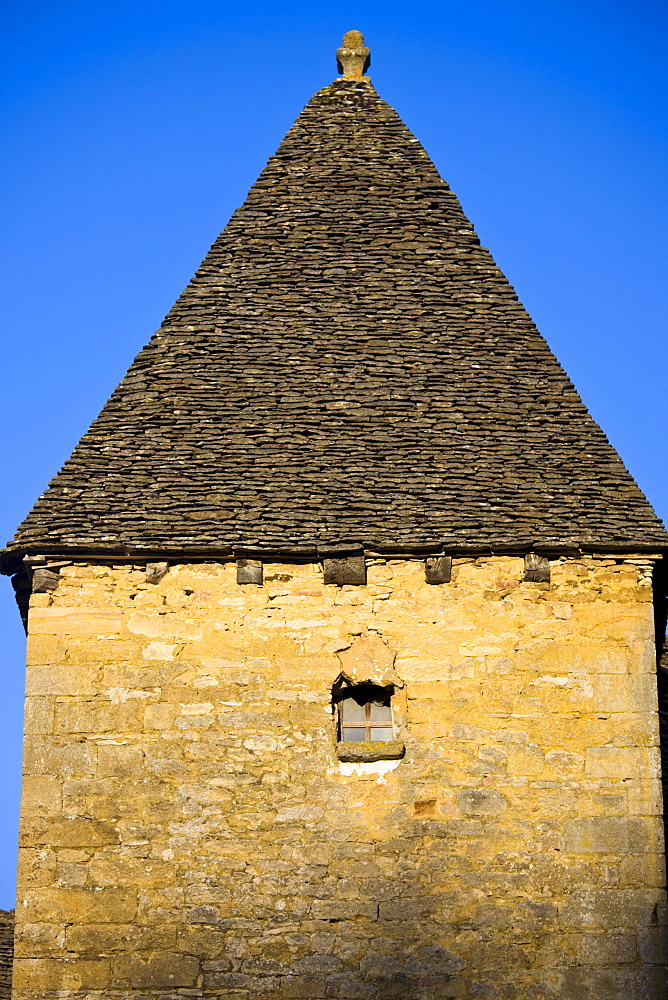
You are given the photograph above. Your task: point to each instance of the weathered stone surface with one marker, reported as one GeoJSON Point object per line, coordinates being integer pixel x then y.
{"type": "Point", "coordinates": [249, 571]}
{"type": "Point", "coordinates": [189, 830]}
{"type": "Point", "coordinates": [161, 970]}
{"type": "Point", "coordinates": [44, 581]}
{"type": "Point", "coordinates": [438, 569]}
{"type": "Point", "coordinates": [155, 571]}
{"type": "Point", "coordinates": [606, 835]}
{"type": "Point", "coordinates": [481, 802]}
{"type": "Point", "coordinates": [368, 658]}
{"type": "Point", "coordinates": [536, 568]}
{"type": "Point", "coordinates": [370, 750]}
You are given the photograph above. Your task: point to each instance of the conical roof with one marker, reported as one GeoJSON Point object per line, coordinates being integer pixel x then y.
{"type": "Point", "coordinates": [348, 366]}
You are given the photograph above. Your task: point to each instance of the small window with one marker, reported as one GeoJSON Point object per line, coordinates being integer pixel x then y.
{"type": "Point", "coordinates": [365, 713]}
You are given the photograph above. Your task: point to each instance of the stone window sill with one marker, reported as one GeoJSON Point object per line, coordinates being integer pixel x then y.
{"type": "Point", "coordinates": [367, 751]}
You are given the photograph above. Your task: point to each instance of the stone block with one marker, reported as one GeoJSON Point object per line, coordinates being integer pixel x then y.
{"type": "Point", "coordinates": [39, 716]}
{"type": "Point", "coordinates": [64, 974]}
{"type": "Point", "coordinates": [412, 908]}
{"type": "Point", "coordinates": [438, 569]}
{"type": "Point", "coordinates": [343, 909]}
{"type": "Point", "coordinates": [138, 679]}
{"type": "Point", "coordinates": [490, 955]}
{"type": "Point", "coordinates": [249, 571]}
{"type": "Point", "coordinates": [73, 621]}
{"type": "Point", "coordinates": [596, 983]}
{"type": "Point", "coordinates": [302, 987]}
{"type": "Point", "coordinates": [379, 967]}
{"type": "Point", "coordinates": [32, 940]}
{"type": "Point", "coordinates": [370, 750]}
{"type": "Point", "coordinates": [103, 651]}
{"type": "Point", "coordinates": [616, 763]}
{"type": "Point", "coordinates": [369, 658]}
{"type": "Point", "coordinates": [156, 571]}
{"type": "Point", "coordinates": [44, 649]}
{"type": "Point", "coordinates": [608, 909]}
{"type": "Point", "coordinates": [653, 945]}
{"type": "Point", "coordinates": [44, 581]}
{"type": "Point", "coordinates": [36, 867]}
{"type": "Point", "coordinates": [69, 906]}
{"type": "Point", "coordinates": [481, 802]}
{"type": "Point", "coordinates": [465, 828]}
{"type": "Point", "coordinates": [41, 795]}
{"type": "Point", "coordinates": [647, 869]}
{"type": "Point", "coordinates": [604, 949]}
{"type": "Point", "coordinates": [160, 715]}
{"type": "Point", "coordinates": [65, 831]}
{"type": "Point", "coordinates": [563, 764]}
{"type": "Point", "coordinates": [158, 970]}
{"type": "Point", "coordinates": [208, 943]}
{"type": "Point", "coordinates": [653, 982]}
{"type": "Point", "coordinates": [204, 915]}
{"type": "Point", "coordinates": [612, 693]}
{"type": "Point", "coordinates": [536, 568]}
{"type": "Point", "coordinates": [61, 679]}
{"type": "Point", "coordinates": [145, 873]}
{"type": "Point", "coordinates": [48, 755]}
{"type": "Point", "coordinates": [44, 600]}
{"type": "Point", "coordinates": [74, 715]}
{"type": "Point", "coordinates": [120, 761]}
{"type": "Point", "coordinates": [554, 655]}
{"type": "Point", "coordinates": [643, 793]}
{"type": "Point", "coordinates": [524, 760]}
{"type": "Point", "coordinates": [230, 984]}
{"type": "Point", "coordinates": [606, 835]}
{"type": "Point", "coordinates": [172, 626]}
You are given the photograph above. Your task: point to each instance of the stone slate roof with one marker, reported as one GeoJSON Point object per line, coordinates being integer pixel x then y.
{"type": "Point", "coordinates": [6, 953]}
{"type": "Point", "coordinates": [348, 366]}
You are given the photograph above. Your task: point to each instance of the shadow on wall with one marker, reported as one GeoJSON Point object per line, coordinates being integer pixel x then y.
{"type": "Point", "coordinates": [382, 947]}
{"type": "Point", "coordinates": [397, 939]}
{"type": "Point", "coordinates": [660, 585]}
{"type": "Point", "coordinates": [403, 944]}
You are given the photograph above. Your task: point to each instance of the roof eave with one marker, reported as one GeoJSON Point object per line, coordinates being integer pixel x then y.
{"type": "Point", "coordinates": [11, 558]}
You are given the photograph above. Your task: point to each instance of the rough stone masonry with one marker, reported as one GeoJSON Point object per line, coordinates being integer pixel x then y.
{"type": "Point", "coordinates": [189, 831]}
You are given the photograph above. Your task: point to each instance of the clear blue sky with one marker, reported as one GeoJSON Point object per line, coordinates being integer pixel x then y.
{"type": "Point", "coordinates": [132, 130]}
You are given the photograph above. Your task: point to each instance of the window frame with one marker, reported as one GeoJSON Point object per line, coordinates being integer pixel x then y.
{"type": "Point", "coordinates": [368, 725]}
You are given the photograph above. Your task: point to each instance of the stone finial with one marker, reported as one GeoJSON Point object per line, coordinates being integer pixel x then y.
{"type": "Point", "coordinates": [353, 57]}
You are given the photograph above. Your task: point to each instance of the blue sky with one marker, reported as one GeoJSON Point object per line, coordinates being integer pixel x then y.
{"type": "Point", "coordinates": [133, 129]}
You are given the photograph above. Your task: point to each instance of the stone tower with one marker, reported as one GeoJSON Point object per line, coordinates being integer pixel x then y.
{"type": "Point", "coordinates": [341, 651]}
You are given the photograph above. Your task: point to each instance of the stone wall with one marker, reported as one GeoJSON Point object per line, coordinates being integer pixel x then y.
{"type": "Point", "coordinates": [6, 952]}
{"type": "Point", "coordinates": [188, 830]}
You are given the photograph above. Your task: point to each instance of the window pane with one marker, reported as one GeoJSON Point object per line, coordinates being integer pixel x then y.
{"type": "Point", "coordinates": [353, 733]}
{"type": "Point", "coordinates": [381, 713]}
{"type": "Point", "coordinates": [351, 711]}
{"type": "Point", "coordinates": [381, 733]}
